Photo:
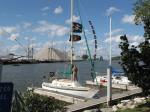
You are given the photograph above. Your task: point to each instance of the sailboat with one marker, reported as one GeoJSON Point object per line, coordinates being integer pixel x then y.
{"type": "Point", "coordinates": [69, 86]}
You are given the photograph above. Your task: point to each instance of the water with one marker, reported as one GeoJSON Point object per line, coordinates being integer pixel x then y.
{"type": "Point", "coordinates": [26, 75]}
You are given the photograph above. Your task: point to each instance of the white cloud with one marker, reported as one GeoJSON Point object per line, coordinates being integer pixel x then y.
{"type": "Point", "coordinates": [45, 8]}
{"type": "Point", "coordinates": [14, 48]}
{"type": "Point", "coordinates": [14, 36]}
{"type": "Point", "coordinates": [51, 29]}
{"type": "Point", "coordinates": [7, 30]}
{"type": "Point", "coordinates": [135, 38]}
{"type": "Point", "coordinates": [111, 10]}
{"type": "Point", "coordinates": [128, 19]}
{"type": "Point", "coordinates": [113, 39]}
{"type": "Point", "coordinates": [75, 19]}
{"type": "Point", "coordinates": [58, 10]}
{"type": "Point", "coordinates": [131, 39]}
{"type": "Point", "coordinates": [114, 32]}
{"type": "Point", "coordinates": [26, 25]}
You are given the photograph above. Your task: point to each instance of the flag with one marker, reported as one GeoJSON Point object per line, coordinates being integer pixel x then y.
{"type": "Point", "coordinates": [75, 38]}
{"type": "Point", "coordinates": [77, 27]}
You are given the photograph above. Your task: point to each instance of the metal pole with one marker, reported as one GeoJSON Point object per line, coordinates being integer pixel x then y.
{"type": "Point", "coordinates": [109, 72]}
{"type": "Point", "coordinates": [71, 29]}
{"type": "Point", "coordinates": [110, 42]}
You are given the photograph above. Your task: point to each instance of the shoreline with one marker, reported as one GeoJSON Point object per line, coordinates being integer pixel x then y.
{"type": "Point", "coordinates": [35, 62]}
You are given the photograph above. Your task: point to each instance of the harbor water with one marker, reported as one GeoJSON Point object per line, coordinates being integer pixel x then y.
{"type": "Point", "coordinates": [26, 75]}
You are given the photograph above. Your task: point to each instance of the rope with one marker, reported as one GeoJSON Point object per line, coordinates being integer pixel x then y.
{"type": "Point", "coordinates": [93, 74]}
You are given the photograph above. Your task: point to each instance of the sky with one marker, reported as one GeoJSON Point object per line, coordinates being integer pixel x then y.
{"type": "Point", "coordinates": [46, 23]}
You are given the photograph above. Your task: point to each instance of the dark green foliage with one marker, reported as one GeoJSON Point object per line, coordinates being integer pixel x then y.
{"type": "Point", "coordinates": [84, 57]}
{"type": "Point", "coordinates": [135, 60]}
{"type": "Point", "coordinates": [142, 15]}
{"type": "Point", "coordinates": [36, 103]}
{"type": "Point", "coordinates": [136, 63]}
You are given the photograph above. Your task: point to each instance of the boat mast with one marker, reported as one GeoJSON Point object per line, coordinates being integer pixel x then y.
{"type": "Point", "coordinates": [71, 32]}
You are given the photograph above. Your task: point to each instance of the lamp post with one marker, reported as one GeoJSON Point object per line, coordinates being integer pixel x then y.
{"type": "Point", "coordinates": [109, 69]}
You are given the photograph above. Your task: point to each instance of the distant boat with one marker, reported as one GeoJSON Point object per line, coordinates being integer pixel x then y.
{"type": "Point", "coordinates": [118, 77]}
{"type": "Point", "coordinates": [68, 86]}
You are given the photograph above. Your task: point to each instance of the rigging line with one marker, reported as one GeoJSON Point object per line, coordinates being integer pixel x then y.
{"type": "Point", "coordinates": [81, 4]}
{"type": "Point", "coordinates": [93, 74]}
{"type": "Point", "coordinates": [86, 16]}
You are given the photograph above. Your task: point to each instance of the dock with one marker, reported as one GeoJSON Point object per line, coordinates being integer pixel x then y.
{"type": "Point", "coordinates": [93, 103]}
{"type": "Point", "coordinates": [78, 104]}
{"type": "Point", "coordinates": [60, 96]}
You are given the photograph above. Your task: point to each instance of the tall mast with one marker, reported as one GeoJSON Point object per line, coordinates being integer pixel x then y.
{"type": "Point", "coordinates": [71, 31]}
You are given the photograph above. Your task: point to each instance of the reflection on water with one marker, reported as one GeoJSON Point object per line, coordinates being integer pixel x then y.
{"type": "Point", "coordinates": [32, 74]}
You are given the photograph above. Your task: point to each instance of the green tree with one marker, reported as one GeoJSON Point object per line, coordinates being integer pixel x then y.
{"type": "Point", "coordinates": [30, 102]}
{"type": "Point", "coordinates": [142, 15]}
{"type": "Point", "coordinates": [135, 59]}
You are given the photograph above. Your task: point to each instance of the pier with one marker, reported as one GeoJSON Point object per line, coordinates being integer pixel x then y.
{"type": "Point", "coordinates": [57, 95]}
{"type": "Point", "coordinates": [93, 103]}
{"type": "Point", "coordinates": [78, 104]}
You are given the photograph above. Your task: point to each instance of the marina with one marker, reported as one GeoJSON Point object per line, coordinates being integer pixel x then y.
{"type": "Point", "coordinates": [75, 56]}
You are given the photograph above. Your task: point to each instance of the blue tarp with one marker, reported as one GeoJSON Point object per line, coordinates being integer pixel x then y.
{"type": "Point", "coordinates": [117, 72]}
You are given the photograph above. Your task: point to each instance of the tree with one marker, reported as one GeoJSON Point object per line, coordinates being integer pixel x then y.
{"type": "Point", "coordinates": [30, 102]}
{"type": "Point", "coordinates": [142, 15]}
{"type": "Point", "coordinates": [135, 59]}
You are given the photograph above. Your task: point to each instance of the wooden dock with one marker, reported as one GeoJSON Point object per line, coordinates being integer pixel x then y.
{"type": "Point", "coordinates": [93, 103]}
{"type": "Point", "coordinates": [63, 97]}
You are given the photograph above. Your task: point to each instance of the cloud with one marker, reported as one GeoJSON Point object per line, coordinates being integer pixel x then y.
{"type": "Point", "coordinates": [111, 10]}
{"type": "Point", "coordinates": [128, 19]}
{"type": "Point", "coordinates": [58, 10]}
{"type": "Point", "coordinates": [131, 38]}
{"type": "Point", "coordinates": [114, 32]}
{"type": "Point", "coordinates": [7, 30]}
{"type": "Point", "coordinates": [45, 8]}
{"type": "Point", "coordinates": [113, 39]}
{"type": "Point", "coordinates": [51, 29]}
{"type": "Point", "coordinates": [14, 48]}
{"type": "Point", "coordinates": [75, 19]}
{"type": "Point", "coordinates": [135, 38]}
{"type": "Point", "coordinates": [14, 36]}
{"type": "Point", "coordinates": [26, 25]}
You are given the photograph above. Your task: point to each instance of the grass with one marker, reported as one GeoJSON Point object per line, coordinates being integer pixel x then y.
{"type": "Point", "coordinates": [140, 108]}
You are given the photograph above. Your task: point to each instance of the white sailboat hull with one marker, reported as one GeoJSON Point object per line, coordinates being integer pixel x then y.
{"type": "Point", "coordinates": [69, 88]}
